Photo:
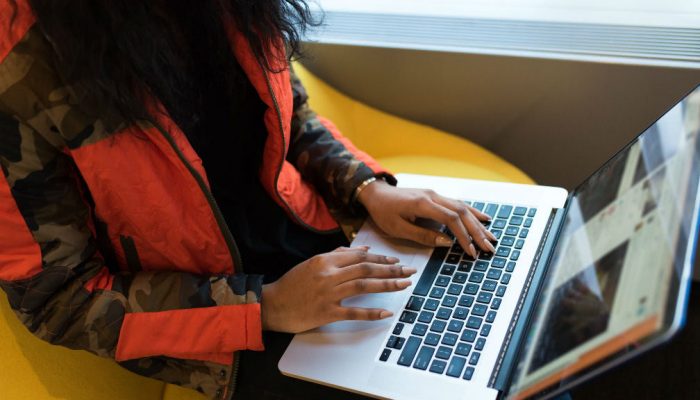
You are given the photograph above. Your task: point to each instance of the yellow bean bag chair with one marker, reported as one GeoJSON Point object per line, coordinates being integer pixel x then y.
{"type": "Point", "coordinates": [35, 370]}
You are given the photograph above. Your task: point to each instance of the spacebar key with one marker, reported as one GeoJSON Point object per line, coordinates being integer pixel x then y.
{"type": "Point", "coordinates": [430, 272]}
{"type": "Point", "coordinates": [409, 351]}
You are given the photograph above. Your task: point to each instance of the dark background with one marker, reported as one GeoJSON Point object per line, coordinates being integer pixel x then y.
{"type": "Point", "coordinates": [671, 371]}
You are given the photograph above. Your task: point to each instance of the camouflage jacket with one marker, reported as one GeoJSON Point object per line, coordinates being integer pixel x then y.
{"type": "Point", "coordinates": [110, 240]}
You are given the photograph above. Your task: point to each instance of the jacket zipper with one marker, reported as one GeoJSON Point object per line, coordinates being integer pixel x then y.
{"type": "Point", "coordinates": [225, 231]}
{"type": "Point", "coordinates": [281, 163]}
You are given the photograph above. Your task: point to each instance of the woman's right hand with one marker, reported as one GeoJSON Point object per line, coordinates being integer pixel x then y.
{"type": "Point", "coordinates": [310, 294]}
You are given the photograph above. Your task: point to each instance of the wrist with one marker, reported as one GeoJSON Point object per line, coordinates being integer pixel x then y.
{"type": "Point", "coordinates": [266, 307]}
{"type": "Point", "coordinates": [370, 191]}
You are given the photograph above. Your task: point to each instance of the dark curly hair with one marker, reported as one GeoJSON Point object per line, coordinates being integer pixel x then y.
{"type": "Point", "coordinates": [115, 51]}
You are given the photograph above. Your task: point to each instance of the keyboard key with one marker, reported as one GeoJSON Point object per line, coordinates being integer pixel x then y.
{"type": "Point", "coordinates": [438, 366]}
{"type": "Point", "coordinates": [480, 310]}
{"type": "Point", "coordinates": [463, 349]}
{"type": "Point", "coordinates": [455, 289]}
{"type": "Point", "coordinates": [503, 251]}
{"type": "Point", "coordinates": [491, 210]}
{"type": "Point", "coordinates": [459, 278]}
{"type": "Point", "coordinates": [465, 266]}
{"type": "Point", "coordinates": [528, 222]}
{"type": "Point", "coordinates": [484, 297]}
{"type": "Point", "coordinates": [497, 233]}
{"type": "Point", "coordinates": [468, 373]}
{"type": "Point", "coordinates": [484, 255]}
{"type": "Point", "coordinates": [449, 301]}
{"type": "Point", "coordinates": [481, 266]}
{"type": "Point", "coordinates": [432, 339]}
{"type": "Point", "coordinates": [466, 301]}
{"type": "Point", "coordinates": [494, 274]}
{"type": "Point", "coordinates": [498, 262]}
{"type": "Point", "coordinates": [431, 304]}
{"type": "Point", "coordinates": [442, 281]}
{"type": "Point", "coordinates": [510, 267]}
{"type": "Point", "coordinates": [476, 277]}
{"type": "Point", "coordinates": [499, 224]}
{"type": "Point", "coordinates": [438, 326]}
{"type": "Point", "coordinates": [456, 366]}
{"type": "Point", "coordinates": [409, 351]}
{"type": "Point", "coordinates": [489, 286]}
{"type": "Point", "coordinates": [399, 343]}
{"type": "Point", "coordinates": [408, 317]}
{"type": "Point", "coordinates": [520, 211]}
{"type": "Point", "coordinates": [443, 353]}
{"type": "Point", "coordinates": [455, 325]}
{"type": "Point", "coordinates": [460, 313]}
{"type": "Point", "coordinates": [456, 248]}
{"type": "Point", "coordinates": [480, 343]}
{"type": "Point", "coordinates": [474, 322]}
{"type": "Point", "coordinates": [447, 269]}
{"type": "Point", "coordinates": [426, 317]}
{"type": "Point", "coordinates": [453, 258]}
{"type": "Point", "coordinates": [419, 329]}
{"type": "Point", "coordinates": [471, 288]}
{"type": "Point", "coordinates": [501, 291]}
{"type": "Point", "coordinates": [478, 205]}
{"type": "Point", "coordinates": [507, 241]}
{"type": "Point", "coordinates": [505, 279]}
{"type": "Point", "coordinates": [449, 339]}
{"type": "Point", "coordinates": [532, 212]}
{"type": "Point", "coordinates": [496, 303]}
{"type": "Point", "coordinates": [504, 211]}
{"type": "Point", "coordinates": [515, 255]}
{"type": "Point", "coordinates": [491, 316]}
{"type": "Point", "coordinates": [431, 270]}
{"type": "Point", "coordinates": [474, 359]}
{"type": "Point", "coordinates": [398, 328]}
{"type": "Point", "coordinates": [523, 233]}
{"type": "Point", "coordinates": [517, 221]}
{"type": "Point", "coordinates": [415, 303]}
{"type": "Point", "coordinates": [468, 336]}
{"type": "Point", "coordinates": [437, 292]}
{"type": "Point", "coordinates": [485, 330]}
{"type": "Point", "coordinates": [424, 356]}
{"type": "Point", "coordinates": [385, 355]}
{"type": "Point", "coordinates": [519, 244]}
{"type": "Point", "coordinates": [444, 313]}
{"type": "Point", "coordinates": [392, 341]}
{"type": "Point", "coordinates": [512, 230]}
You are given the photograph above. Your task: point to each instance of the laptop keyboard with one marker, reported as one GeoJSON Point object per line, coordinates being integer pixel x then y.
{"type": "Point", "coordinates": [447, 320]}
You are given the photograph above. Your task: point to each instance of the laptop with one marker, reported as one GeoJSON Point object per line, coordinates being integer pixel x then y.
{"type": "Point", "coordinates": [580, 282]}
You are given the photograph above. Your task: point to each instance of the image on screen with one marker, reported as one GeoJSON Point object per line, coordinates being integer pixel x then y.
{"type": "Point", "coordinates": [620, 252]}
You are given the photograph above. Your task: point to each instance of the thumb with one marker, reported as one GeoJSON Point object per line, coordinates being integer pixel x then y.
{"type": "Point", "coordinates": [428, 237]}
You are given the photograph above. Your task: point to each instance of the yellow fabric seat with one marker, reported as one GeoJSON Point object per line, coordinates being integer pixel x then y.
{"type": "Point", "coordinates": [33, 369]}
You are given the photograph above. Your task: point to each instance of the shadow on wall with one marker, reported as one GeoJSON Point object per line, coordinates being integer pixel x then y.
{"type": "Point", "coordinates": [33, 369]}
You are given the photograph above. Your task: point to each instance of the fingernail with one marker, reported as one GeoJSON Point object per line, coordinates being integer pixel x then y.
{"type": "Point", "coordinates": [365, 248]}
{"type": "Point", "coordinates": [443, 241]}
{"type": "Point", "coordinates": [409, 271]}
{"type": "Point", "coordinates": [385, 314]}
{"type": "Point", "coordinates": [392, 260]}
{"type": "Point", "coordinates": [403, 284]}
{"type": "Point", "coordinates": [489, 246]}
{"type": "Point", "coordinates": [472, 250]}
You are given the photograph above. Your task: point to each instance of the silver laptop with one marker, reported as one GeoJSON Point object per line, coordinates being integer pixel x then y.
{"type": "Point", "coordinates": [580, 282]}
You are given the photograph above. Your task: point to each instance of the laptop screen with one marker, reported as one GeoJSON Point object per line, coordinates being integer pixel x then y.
{"type": "Point", "coordinates": [620, 267]}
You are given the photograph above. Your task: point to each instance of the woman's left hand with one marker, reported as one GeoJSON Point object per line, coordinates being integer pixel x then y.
{"type": "Point", "coordinates": [395, 210]}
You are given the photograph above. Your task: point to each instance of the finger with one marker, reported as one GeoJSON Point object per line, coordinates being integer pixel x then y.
{"type": "Point", "coordinates": [428, 237]}
{"type": "Point", "coordinates": [479, 215]}
{"type": "Point", "coordinates": [370, 270]}
{"type": "Point", "coordinates": [354, 248]}
{"type": "Point", "coordinates": [370, 285]}
{"type": "Point", "coordinates": [351, 257]}
{"type": "Point", "coordinates": [450, 218]}
{"type": "Point", "coordinates": [362, 314]}
{"type": "Point", "coordinates": [480, 235]}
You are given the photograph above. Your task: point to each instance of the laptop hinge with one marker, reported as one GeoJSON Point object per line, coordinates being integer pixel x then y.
{"type": "Point", "coordinates": [515, 334]}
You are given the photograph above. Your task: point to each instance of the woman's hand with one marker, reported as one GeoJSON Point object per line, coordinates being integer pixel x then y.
{"type": "Point", "coordinates": [394, 210]}
{"type": "Point", "coordinates": [309, 295]}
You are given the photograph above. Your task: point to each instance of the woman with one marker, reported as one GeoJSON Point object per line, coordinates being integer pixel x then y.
{"type": "Point", "coordinates": [168, 195]}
